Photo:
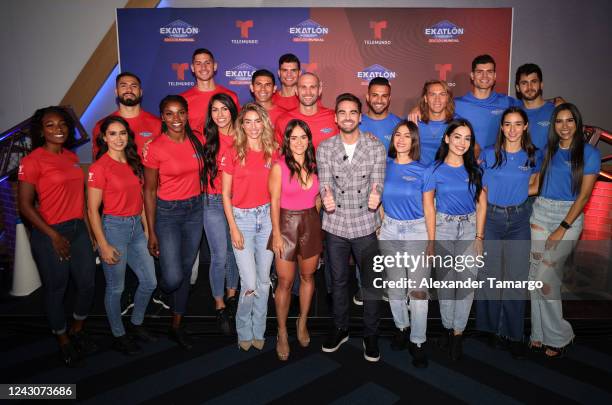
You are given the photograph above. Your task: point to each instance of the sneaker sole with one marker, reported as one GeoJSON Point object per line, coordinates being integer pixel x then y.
{"type": "Point", "coordinates": [333, 349]}
{"type": "Point", "coordinates": [368, 358]}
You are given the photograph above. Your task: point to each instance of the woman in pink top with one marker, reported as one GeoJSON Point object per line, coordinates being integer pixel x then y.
{"type": "Point", "coordinates": [296, 227]}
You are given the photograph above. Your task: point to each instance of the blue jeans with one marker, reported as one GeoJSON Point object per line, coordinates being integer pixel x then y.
{"type": "Point", "coordinates": [55, 273]}
{"type": "Point", "coordinates": [254, 262]}
{"type": "Point", "coordinates": [408, 236]}
{"type": "Point", "coordinates": [455, 234]}
{"type": "Point", "coordinates": [178, 225]}
{"type": "Point", "coordinates": [508, 239]}
{"type": "Point", "coordinates": [127, 236]}
{"type": "Point", "coordinates": [547, 323]}
{"type": "Point", "coordinates": [223, 269]}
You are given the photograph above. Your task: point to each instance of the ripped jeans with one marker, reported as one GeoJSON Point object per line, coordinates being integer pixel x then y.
{"type": "Point", "coordinates": [254, 262]}
{"type": "Point", "coordinates": [547, 323]}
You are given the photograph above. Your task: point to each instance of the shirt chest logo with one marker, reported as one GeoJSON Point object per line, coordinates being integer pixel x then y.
{"type": "Point", "coordinates": [146, 134]}
{"type": "Point", "coordinates": [326, 130]}
{"type": "Point", "coordinates": [497, 111]}
{"type": "Point", "coordinates": [409, 178]}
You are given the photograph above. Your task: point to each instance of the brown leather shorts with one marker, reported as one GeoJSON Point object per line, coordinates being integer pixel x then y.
{"type": "Point", "coordinates": [301, 232]}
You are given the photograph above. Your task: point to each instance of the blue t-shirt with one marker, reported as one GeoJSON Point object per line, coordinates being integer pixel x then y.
{"type": "Point", "coordinates": [454, 196]}
{"type": "Point", "coordinates": [402, 197]}
{"type": "Point", "coordinates": [484, 115]}
{"type": "Point", "coordinates": [508, 184]}
{"type": "Point", "coordinates": [431, 135]}
{"type": "Point", "coordinates": [558, 178]}
{"type": "Point", "coordinates": [539, 122]}
{"type": "Point", "coordinates": [382, 129]}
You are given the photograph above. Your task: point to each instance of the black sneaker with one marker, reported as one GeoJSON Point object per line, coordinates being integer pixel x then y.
{"type": "Point", "coordinates": [335, 339]}
{"type": "Point", "coordinates": [370, 348]}
{"type": "Point", "coordinates": [123, 344]}
{"type": "Point", "coordinates": [231, 303]}
{"type": "Point", "coordinates": [223, 322]}
{"type": "Point", "coordinates": [139, 332]}
{"type": "Point", "coordinates": [456, 347]}
{"type": "Point", "coordinates": [399, 341]}
{"type": "Point", "coordinates": [445, 339]}
{"type": "Point", "coordinates": [419, 358]}
{"type": "Point", "coordinates": [181, 337]}
{"type": "Point", "coordinates": [83, 343]}
{"type": "Point", "coordinates": [358, 298]}
{"type": "Point", "coordinates": [69, 355]}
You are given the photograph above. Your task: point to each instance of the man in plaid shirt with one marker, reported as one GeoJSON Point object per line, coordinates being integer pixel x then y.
{"type": "Point", "coordinates": [351, 169]}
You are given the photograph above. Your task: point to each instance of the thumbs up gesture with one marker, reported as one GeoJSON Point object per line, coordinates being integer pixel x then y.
{"type": "Point", "coordinates": [374, 199]}
{"type": "Point", "coordinates": [328, 200]}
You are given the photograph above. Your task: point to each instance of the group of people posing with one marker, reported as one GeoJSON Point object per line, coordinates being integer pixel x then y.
{"type": "Point", "coordinates": [271, 180]}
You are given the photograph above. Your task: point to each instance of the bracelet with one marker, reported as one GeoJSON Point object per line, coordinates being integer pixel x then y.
{"type": "Point", "coordinates": [565, 225]}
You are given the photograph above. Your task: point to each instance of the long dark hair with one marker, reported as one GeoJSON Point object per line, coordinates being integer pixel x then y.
{"type": "Point", "coordinates": [526, 143]}
{"type": "Point", "coordinates": [211, 131]}
{"type": "Point", "coordinates": [36, 126]}
{"type": "Point", "coordinates": [131, 151]}
{"type": "Point", "coordinates": [195, 142]}
{"type": "Point", "coordinates": [576, 149]}
{"type": "Point", "coordinates": [469, 158]}
{"type": "Point", "coordinates": [415, 144]}
{"type": "Point", "coordinates": [310, 163]}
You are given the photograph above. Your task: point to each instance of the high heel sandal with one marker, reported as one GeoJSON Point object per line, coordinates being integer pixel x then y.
{"type": "Point", "coordinates": [556, 352]}
{"type": "Point", "coordinates": [282, 348]}
{"type": "Point", "coordinates": [536, 348]}
{"type": "Point", "coordinates": [304, 341]}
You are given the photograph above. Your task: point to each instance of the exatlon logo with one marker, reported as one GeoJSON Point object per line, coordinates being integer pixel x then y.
{"type": "Point", "coordinates": [308, 31]}
{"type": "Point", "coordinates": [373, 71]}
{"type": "Point", "coordinates": [444, 31]}
{"type": "Point", "coordinates": [377, 28]}
{"type": "Point", "coordinates": [179, 31]}
{"type": "Point", "coordinates": [240, 74]}
{"type": "Point", "coordinates": [244, 27]}
{"type": "Point", "coordinates": [180, 69]}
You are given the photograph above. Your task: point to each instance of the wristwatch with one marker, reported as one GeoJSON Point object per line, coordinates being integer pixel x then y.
{"type": "Point", "coordinates": [565, 225]}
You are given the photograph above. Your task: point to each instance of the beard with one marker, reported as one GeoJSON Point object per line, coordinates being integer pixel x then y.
{"type": "Point", "coordinates": [129, 102]}
{"type": "Point", "coordinates": [535, 96]}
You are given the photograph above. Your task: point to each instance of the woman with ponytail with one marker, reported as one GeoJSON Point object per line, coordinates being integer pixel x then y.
{"type": "Point", "coordinates": [115, 180]}
{"type": "Point", "coordinates": [174, 180]}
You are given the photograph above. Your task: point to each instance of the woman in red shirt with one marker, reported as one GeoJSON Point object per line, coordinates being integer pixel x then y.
{"type": "Point", "coordinates": [223, 273]}
{"type": "Point", "coordinates": [115, 179]}
{"type": "Point", "coordinates": [173, 205]}
{"type": "Point", "coordinates": [246, 201]}
{"type": "Point", "coordinates": [61, 244]}
{"type": "Point", "coordinates": [296, 228]}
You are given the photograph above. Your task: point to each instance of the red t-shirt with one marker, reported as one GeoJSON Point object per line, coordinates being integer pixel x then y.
{"type": "Point", "coordinates": [286, 103]}
{"type": "Point", "coordinates": [198, 105]}
{"type": "Point", "coordinates": [249, 182]}
{"type": "Point", "coordinates": [322, 124]}
{"type": "Point", "coordinates": [179, 177]}
{"type": "Point", "coordinates": [59, 183]}
{"type": "Point", "coordinates": [275, 112]}
{"type": "Point", "coordinates": [225, 144]}
{"type": "Point", "coordinates": [145, 126]}
{"type": "Point", "coordinates": [122, 189]}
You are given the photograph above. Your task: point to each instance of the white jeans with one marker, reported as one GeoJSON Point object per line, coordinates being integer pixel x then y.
{"type": "Point", "coordinates": [547, 323]}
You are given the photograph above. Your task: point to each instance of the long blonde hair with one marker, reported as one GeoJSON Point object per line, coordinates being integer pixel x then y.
{"type": "Point", "coordinates": [267, 137]}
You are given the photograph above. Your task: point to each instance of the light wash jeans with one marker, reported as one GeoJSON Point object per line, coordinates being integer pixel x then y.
{"type": "Point", "coordinates": [254, 262]}
{"type": "Point", "coordinates": [455, 236]}
{"type": "Point", "coordinates": [547, 323]}
{"type": "Point", "coordinates": [408, 236]}
{"type": "Point", "coordinates": [223, 271]}
{"type": "Point", "coordinates": [126, 234]}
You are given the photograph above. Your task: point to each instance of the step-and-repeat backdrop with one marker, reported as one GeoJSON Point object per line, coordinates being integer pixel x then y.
{"type": "Point", "coordinates": [346, 47]}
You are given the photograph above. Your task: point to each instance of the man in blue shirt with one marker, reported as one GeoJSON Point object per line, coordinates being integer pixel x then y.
{"type": "Point", "coordinates": [529, 86]}
{"type": "Point", "coordinates": [482, 106]}
{"type": "Point", "coordinates": [378, 120]}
